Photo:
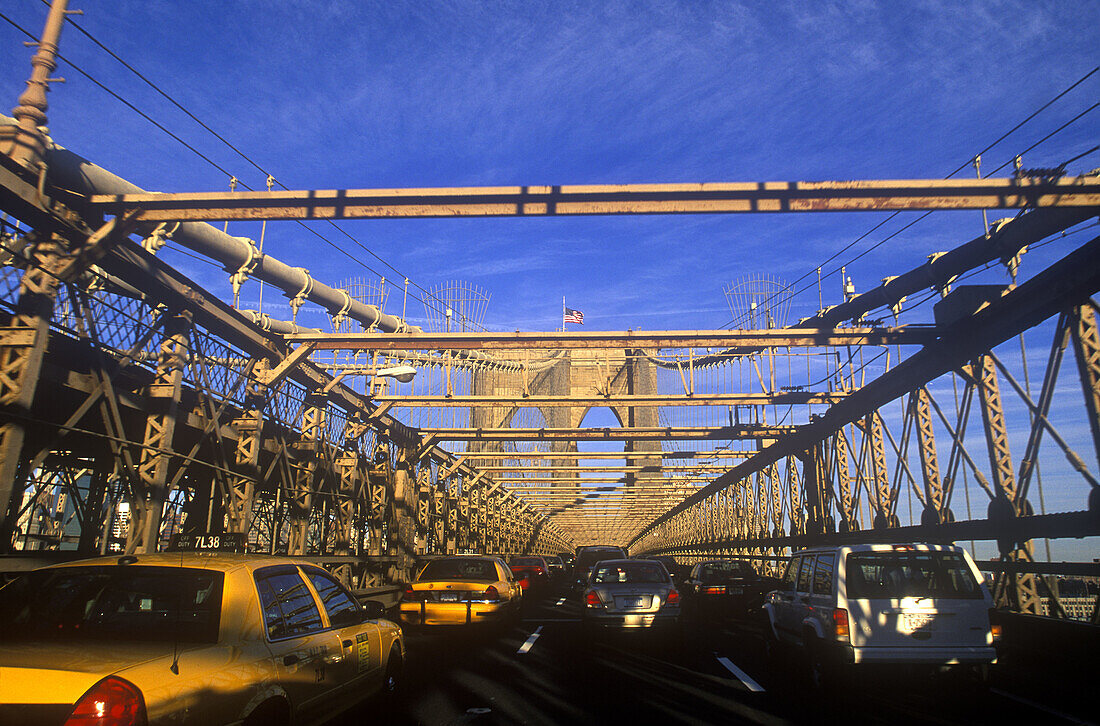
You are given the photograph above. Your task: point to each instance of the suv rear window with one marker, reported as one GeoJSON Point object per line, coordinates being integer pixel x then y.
{"type": "Point", "coordinates": [113, 603]}
{"type": "Point", "coordinates": [590, 556]}
{"type": "Point", "coordinates": [894, 574]}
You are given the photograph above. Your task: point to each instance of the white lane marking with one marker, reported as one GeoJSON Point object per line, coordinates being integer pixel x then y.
{"type": "Point", "coordinates": [560, 602]}
{"type": "Point", "coordinates": [1041, 707]}
{"type": "Point", "coordinates": [741, 675]}
{"type": "Point", "coordinates": [530, 641]}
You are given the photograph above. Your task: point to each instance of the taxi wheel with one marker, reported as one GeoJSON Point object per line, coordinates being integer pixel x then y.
{"type": "Point", "coordinates": [391, 682]}
{"type": "Point", "coordinates": [274, 712]}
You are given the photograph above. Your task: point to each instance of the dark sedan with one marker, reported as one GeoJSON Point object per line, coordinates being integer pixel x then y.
{"type": "Point", "coordinates": [726, 588]}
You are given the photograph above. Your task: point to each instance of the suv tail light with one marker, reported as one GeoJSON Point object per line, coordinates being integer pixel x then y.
{"type": "Point", "coordinates": [673, 597]}
{"type": "Point", "coordinates": [111, 702]}
{"type": "Point", "coordinates": [592, 599]}
{"type": "Point", "coordinates": [714, 589]}
{"type": "Point", "coordinates": [491, 593]}
{"type": "Point", "coordinates": [840, 624]}
{"type": "Point", "coordinates": [994, 628]}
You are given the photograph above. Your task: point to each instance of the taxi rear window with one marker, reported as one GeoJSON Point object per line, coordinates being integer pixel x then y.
{"type": "Point", "coordinates": [116, 603]}
{"type": "Point", "coordinates": [459, 570]}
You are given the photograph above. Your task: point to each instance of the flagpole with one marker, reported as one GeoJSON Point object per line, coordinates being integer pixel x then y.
{"type": "Point", "coordinates": [563, 313]}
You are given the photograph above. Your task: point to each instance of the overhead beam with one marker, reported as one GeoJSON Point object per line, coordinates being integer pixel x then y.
{"type": "Point", "coordinates": [679, 455]}
{"type": "Point", "coordinates": [666, 433]}
{"type": "Point", "coordinates": [571, 200]}
{"type": "Point", "coordinates": [553, 469]}
{"type": "Point", "coordinates": [749, 340]}
{"type": "Point", "coordinates": [780, 398]}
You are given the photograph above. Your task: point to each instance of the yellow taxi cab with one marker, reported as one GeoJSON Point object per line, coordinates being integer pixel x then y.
{"type": "Point", "coordinates": [461, 590]}
{"type": "Point", "coordinates": [206, 638]}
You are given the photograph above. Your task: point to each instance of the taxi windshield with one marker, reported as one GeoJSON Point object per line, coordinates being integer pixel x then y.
{"type": "Point", "coordinates": [459, 570]}
{"type": "Point", "coordinates": [116, 603]}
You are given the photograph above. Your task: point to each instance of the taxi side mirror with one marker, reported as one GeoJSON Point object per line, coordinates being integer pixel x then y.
{"type": "Point", "coordinates": [372, 610]}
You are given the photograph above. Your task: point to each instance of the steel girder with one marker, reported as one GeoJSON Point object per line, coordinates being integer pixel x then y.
{"type": "Point", "coordinates": [1061, 286]}
{"type": "Point", "coordinates": [541, 201]}
{"type": "Point", "coordinates": [150, 489]}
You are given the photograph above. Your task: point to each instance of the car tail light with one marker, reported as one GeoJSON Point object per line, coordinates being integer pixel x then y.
{"type": "Point", "coordinates": [840, 624]}
{"type": "Point", "coordinates": [491, 593]}
{"type": "Point", "coordinates": [592, 599]}
{"type": "Point", "coordinates": [111, 702]}
{"type": "Point", "coordinates": [538, 571]}
{"type": "Point", "coordinates": [994, 628]}
{"type": "Point", "coordinates": [411, 595]}
{"type": "Point", "coordinates": [673, 597]}
{"type": "Point", "coordinates": [714, 590]}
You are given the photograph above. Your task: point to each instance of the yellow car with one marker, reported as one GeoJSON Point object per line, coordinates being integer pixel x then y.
{"type": "Point", "coordinates": [193, 638]}
{"type": "Point", "coordinates": [461, 590]}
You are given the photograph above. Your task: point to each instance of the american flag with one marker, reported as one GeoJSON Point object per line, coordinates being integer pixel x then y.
{"type": "Point", "coordinates": [574, 316]}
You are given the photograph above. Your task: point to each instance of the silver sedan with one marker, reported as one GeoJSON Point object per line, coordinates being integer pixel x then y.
{"type": "Point", "coordinates": [630, 594]}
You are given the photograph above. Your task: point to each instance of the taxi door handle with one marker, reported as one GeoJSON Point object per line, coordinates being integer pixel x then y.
{"type": "Point", "coordinates": [290, 659]}
{"type": "Point", "coordinates": [346, 643]}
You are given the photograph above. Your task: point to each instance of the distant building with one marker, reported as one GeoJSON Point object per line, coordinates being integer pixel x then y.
{"type": "Point", "coordinates": [1076, 608]}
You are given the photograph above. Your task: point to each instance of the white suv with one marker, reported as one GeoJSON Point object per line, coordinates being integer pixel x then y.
{"type": "Point", "coordinates": [922, 604]}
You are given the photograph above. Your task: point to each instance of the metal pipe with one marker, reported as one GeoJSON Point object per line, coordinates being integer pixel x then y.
{"type": "Point", "coordinates": [68, 170]}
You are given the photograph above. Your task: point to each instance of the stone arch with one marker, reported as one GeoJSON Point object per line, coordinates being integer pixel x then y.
{"type": "Point", "coordinates": [576, 372]}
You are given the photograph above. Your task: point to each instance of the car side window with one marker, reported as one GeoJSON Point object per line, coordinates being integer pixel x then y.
{"type": "Point", "coordinates": [823, 575]}
{"type": "Point", "coordinates": [805, 573]}
{"type": "Point", "coordinates": [341, 607]}
{"type": "Point", "coordinates": [289, 608]}
{"type": "Point", "coordinates": [791, 573]}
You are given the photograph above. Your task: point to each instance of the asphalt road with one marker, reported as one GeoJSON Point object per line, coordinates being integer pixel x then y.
{"type": "Point", "coordinates": [544, 670]}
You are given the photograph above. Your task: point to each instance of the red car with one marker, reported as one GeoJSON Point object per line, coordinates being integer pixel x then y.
{"type": "Point", "coordinates": [532, 572]}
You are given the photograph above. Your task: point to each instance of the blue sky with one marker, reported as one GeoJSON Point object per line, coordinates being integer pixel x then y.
{"type": "Point", "coordinates": [395, 94]}
{"type": "Point", "coordinates": [331, 95]}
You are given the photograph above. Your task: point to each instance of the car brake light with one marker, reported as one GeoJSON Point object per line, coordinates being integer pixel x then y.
{"type": "Point", "coordinates": [592, 599]}
{"type": "Point", "coordinates": [111, 702]}
{"type": "Point", "coordinates": [673, 597]}
{"type": "Point", "coordinates": [409, 593]}
{"type": "Point", "coordinates": [994, 628]}
{"type": "Point", "coordinates": [840, 624]}
{"type": "Point", "coordinates": [491, 593]}
{"type": "Point", "coordinates": [714, 590]}
{"type": "Point", "coordinates": [538, 570]}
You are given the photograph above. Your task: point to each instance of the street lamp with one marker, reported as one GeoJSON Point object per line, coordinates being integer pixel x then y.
{"type": "Point", "coordinates": [402, 374]}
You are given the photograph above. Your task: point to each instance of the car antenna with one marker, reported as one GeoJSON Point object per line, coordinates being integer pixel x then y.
{"type": "Point", "coordinates": [175, 667]}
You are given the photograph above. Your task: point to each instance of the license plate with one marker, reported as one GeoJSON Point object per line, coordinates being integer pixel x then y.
{"type": "Point", "coordinates": [631, 602]}
{"type": "Point", "coordinates": [918, 621]}
{"type": "Point", "coordinates": [448, 597]}
{"type": "Point", "coordinates": [736, 591]}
